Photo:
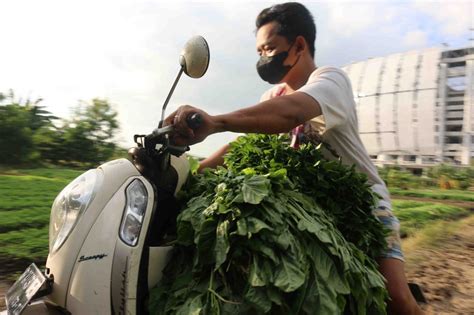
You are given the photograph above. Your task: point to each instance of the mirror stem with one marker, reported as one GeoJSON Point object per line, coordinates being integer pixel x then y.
{"type": "Point", "coordinates": [169, 96]}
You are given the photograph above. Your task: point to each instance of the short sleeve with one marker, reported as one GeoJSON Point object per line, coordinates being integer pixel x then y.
{"type": "Point", "coordinates": [265, 96]}
{"type": "Point", "coordinates": [331, 88]}
{"type": "Point", "coordinates": [277, 90]}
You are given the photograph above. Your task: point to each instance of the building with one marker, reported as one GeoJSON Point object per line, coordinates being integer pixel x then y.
{"type": "Point", "coordinates": [416, 108]}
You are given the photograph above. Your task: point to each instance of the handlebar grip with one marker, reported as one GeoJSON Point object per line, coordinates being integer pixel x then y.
{"type": "Point", "coordinates": [194, 121]}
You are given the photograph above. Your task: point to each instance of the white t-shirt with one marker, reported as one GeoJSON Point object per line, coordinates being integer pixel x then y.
{"type": "Point", "coordinates": [337, 125]}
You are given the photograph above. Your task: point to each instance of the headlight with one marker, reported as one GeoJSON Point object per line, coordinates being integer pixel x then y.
{"type": "Point", "coordinates": [69, 205]}
{"type": "Point", "coordinates": [137, 200]}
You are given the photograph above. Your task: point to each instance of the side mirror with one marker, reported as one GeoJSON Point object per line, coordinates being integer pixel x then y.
{"type": "Point", "coordinates": [194, 58]}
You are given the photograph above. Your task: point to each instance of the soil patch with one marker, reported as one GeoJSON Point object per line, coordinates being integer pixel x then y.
{"type": "Point", "coordinates": [4, 285]}
{"type": "Point", "coordinates": [445, 271]}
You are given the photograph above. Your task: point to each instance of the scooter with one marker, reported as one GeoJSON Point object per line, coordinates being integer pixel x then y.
{"type": "Point", "coordinates": [109, 228]}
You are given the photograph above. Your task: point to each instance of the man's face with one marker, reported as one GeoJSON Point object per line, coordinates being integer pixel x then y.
{"type": "Point", "coordinates": [269, 43]}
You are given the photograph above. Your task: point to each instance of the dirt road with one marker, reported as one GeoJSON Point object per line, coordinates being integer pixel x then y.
{"type": "Point", "coordinates": [446, 272]}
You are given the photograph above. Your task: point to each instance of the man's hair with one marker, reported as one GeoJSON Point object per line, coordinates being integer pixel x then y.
{"type": "Point", "coordinates": [293, 20]}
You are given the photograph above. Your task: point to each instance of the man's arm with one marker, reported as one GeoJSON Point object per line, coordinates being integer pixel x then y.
{"type": "Point", "coordinates": [280, 114]}
{"type": "Point", "coordinates": [215, 159]}
{"type": "Point", "coordinates": [277, 115]}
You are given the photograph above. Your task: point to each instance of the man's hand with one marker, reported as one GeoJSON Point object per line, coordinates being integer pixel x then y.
{"type": "Point", "coordinates": [182, 134]}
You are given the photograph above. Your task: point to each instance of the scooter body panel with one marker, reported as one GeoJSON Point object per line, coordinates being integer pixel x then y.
{"type": "Point", "coordinates": [94, 271]}
{"type": "Point", "coordinates": [90, 283]}
{"type": "Point", "coordinates": [61, 263]}
{"type": "Point", "coordinates": [181, 165]}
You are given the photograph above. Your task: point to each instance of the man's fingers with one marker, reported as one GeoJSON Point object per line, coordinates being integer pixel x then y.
{"type": "Point", "coordinates": [170, 119]}
{"type": "Point", "coordinates": [182, 133]}
{"type": "Point", "coordinates": [185, 132]}
{"type": "Point", "coordinates": [179, 139]}
{"type": "Point", "coordinates": [176, 119]}
{"type": "Point", "coordinates": [181, 120]}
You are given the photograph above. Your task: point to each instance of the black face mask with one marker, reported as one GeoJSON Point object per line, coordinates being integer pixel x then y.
{"type": "Point", "coordinates": [271, 69]}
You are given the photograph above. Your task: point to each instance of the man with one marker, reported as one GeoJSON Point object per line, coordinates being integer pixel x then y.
{"type": "Point", "coordinates": [321, 103]}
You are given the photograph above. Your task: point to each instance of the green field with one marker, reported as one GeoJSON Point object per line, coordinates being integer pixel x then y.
{"type": "Point", "coordinates": [441, 194]}
{"type": "Point", "coordinates": [415, 215]}
{"type": "Point", "coordinates": [27, 196]}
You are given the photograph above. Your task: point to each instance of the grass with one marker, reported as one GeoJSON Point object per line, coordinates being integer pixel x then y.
{"type": "Point", "coordinates": [51, 173]}
{"type": "Point", "coordinates": [25, 203]}
{"type": "Point", "coordinates": [415, 215]}
{"type": "Point", "coordinates": [441, 194]}
{"type": "Point", "coordinates": [29, 243]}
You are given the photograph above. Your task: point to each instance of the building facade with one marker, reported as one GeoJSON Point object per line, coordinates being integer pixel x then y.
{"type": "Point", "coordinates": [416, 108]}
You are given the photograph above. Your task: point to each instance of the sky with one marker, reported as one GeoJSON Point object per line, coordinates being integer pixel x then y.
{"type": "Point", "coordinates": [126, 51]}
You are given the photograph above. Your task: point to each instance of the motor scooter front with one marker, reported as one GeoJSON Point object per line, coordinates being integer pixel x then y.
{"type": "Point", "coordinates": [103, 259]}
{"type": "Point", "coordinates": [110, 227]}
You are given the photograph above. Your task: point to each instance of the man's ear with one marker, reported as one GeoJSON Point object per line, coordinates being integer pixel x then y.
{"type": "Point", "coordinates": [300, 44]}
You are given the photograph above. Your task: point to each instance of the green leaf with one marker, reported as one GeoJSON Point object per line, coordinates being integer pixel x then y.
{"type": "Point", "coordinates": [315, 228]}
{"type": "Point", "coordinates": [193, 164]}
{"type": "Point", "coordinates": [242, 228]}
{"type": "Point", "coordinates": [260, 272]}
{"type": "Point", "coordinates": [191, 307]}
{"type": "Point", "coordinates": [275, 295]}
{"type": "Point", "coordinates": [278, 174]}
{"type": "Point", "coordinates": [185, 234]}
{"type": "Point", "coordinates": [266, 251]}
{"type": "Point", "coordinates": [255, 225]}
{"type": "Point", "coordinates": [327, 298]}
{"type": "Point", "coordinates": [257, 298]}
{"type": "Point", "coordinates": [255, 189]}
{"type": "Point", "coordinates": [328, 272]}
{"type": "Point", "coordinates": [283, 240]}
{"type": "Point", "coordinates": [289, 276]}
{"type": "Point", "coordinates": [206, 240]}
{"type": "Point", "coordinates": [222, 243]}
{"type": "Point", "coordinates": [248, 171]}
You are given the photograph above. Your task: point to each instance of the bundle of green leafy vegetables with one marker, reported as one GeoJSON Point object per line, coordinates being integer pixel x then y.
{"type": "Point", "coordinates": [277, 231]}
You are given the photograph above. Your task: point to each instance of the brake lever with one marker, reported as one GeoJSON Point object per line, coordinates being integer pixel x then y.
{"type": "Point", "coordinates": [194, 121]}
{"type": "Point", "coordinates": [161, 131]}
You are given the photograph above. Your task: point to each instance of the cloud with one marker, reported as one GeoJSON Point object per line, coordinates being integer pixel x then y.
{"type": "Point", "coordinates": [415, 39]}
{"type": "Point", "coordinates": [347, 19]}
{"type": "Point", "coordinates": [454, 17]}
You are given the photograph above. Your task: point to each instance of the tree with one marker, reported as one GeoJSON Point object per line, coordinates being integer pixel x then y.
{"type": "Point", "coordinates": [24, 126]}
{"type": "Point", "coordinates": [48, 143]}
{"type": "Point", "coordinates": [28, 133]}
{"type": "Point", "coordinates": [88, 137]}
{"type": "Point", "coordinates": [16, 141]}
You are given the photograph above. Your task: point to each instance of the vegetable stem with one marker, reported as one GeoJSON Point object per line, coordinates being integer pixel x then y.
{"type": "Point", "coordinates": [222, 299]}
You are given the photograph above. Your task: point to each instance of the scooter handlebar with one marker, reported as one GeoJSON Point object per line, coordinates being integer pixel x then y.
{"type": "Point", "coordinates": [193, 120]}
